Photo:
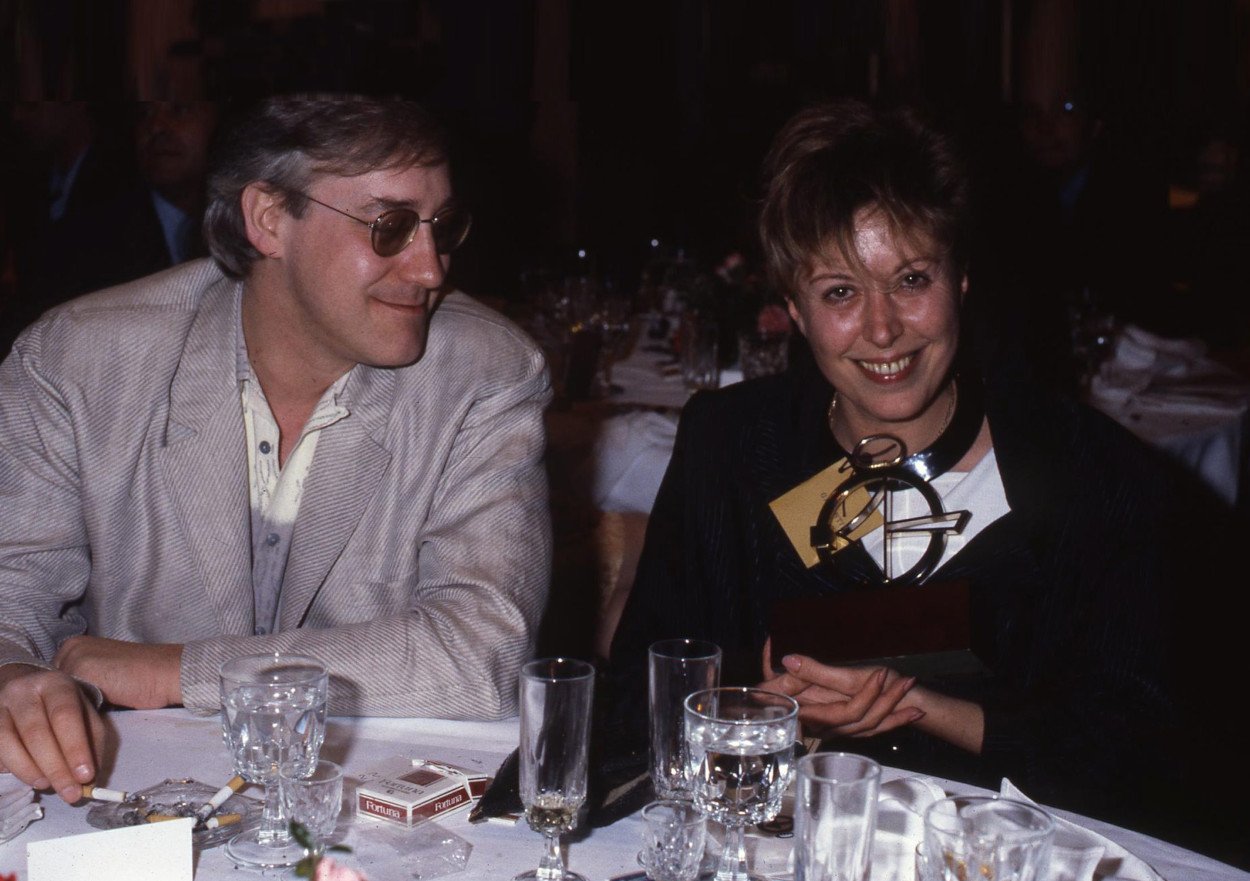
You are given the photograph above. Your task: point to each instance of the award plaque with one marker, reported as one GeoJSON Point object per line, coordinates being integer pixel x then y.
{"type": "Point", "coordinates": [917, 630]}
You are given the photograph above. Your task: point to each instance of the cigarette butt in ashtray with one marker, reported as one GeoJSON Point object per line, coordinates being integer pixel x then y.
{"type": "Point", "coordinates": [204, 811]}
{"type": "Point", "coordinates": [210, 823]}
{"type": "Point", "coordinates": [99, 793]}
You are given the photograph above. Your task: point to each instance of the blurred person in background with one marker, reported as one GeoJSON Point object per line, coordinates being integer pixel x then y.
{"type": "Point", "coordinates": [72, 171]}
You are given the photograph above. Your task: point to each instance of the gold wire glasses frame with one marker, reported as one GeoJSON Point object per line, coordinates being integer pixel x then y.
{"type": "Point", "coordinates": [394, 230]}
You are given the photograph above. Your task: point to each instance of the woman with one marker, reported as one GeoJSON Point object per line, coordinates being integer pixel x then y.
{"type": "Point", "coordinates": [1071, 538]}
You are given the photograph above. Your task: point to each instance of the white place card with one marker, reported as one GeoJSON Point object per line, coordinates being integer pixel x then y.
{"type": "Point", "coordinates": [153, 850]}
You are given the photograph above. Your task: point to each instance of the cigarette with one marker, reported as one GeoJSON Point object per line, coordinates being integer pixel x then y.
{"type": "Point", "coordinates": [99, 793]}
{"type": "Point", "coordinates": [204, 811]}
{"type": "Point", "coordinates": [210, 823]}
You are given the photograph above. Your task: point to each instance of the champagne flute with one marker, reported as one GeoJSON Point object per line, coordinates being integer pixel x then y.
{"type": "Point", "coordinates": [675, 669]}
{"type": "Point", "coordinates": [555, 697]}
{"type": "Point", "coordinates": [273, 712]}
{"type": "Point", "coordinates": [741, 743]}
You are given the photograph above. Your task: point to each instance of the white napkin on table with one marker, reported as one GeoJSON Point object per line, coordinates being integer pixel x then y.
{"type": "Point", "coordinates": [1075, 846]}
{"type": "Point", "coordinates": [1146, 369]}
{"type": "Point", "coordinates": [17, 807]}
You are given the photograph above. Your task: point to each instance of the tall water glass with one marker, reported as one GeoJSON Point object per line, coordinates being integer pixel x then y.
{"type": "Point", "coordinates": [741, 743]}
{"type": "Point", "coordinates": [676, 668]}
{"type": "Point", "coordinates": [835, 816]}
{"type": "Point", "coordinates": [981, 837]}
{"type": "Point", "coordinates": [556, 696]}
{"type": "Point", "coordinates": [273, 712]}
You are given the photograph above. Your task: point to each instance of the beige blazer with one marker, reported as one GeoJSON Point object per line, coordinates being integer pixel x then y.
{"type": "Point", "coordinates": [420, 561]}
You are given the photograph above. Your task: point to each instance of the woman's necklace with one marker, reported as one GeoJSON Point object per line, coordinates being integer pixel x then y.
{"type": "Point", "coordinates": [946, 420]}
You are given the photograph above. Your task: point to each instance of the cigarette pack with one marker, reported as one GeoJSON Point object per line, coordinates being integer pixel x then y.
{"type": "Point", "coordinates": [409, 791]}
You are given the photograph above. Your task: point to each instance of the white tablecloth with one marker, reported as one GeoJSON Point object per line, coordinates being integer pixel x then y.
{"type": "Point", "coordinates": [176, 743]}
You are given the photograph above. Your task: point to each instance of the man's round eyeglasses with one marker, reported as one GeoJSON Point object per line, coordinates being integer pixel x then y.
{"type": "Point", "coordinates": [394, 230]}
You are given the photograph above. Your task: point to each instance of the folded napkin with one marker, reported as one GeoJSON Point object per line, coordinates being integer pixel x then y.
{"type": "Point", "coordinates": [17, 807]}
{"type": "Point", "coordinates": [1144, 366]}
{"type": "Point", "coordinates": [1078, 853]}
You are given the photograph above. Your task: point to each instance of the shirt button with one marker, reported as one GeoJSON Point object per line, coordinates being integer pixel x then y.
{"type": "Point", "coordinates": [272, 539]}
{"type": "Point", "coordinates": [264, 447]}
{"type": "Point", "coordinates": [261, 631]}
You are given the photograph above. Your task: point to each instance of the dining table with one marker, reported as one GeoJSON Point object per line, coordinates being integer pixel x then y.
{"type": "Point", "coordinates": [153, 745]}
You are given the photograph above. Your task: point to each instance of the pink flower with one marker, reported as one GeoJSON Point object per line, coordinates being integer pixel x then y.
{"type": "Point", "coordinates": [329, 870]}
{"type": "Point", "coordinates": [773, 318]}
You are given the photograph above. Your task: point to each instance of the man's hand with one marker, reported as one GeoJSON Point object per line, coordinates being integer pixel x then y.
{"type": "Point", "coordinates": [50, 734]}
{"type": "Point", "coordinates": [130, 674]}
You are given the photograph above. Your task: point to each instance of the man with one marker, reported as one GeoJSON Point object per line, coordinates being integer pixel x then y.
{"type": "Point", "coordinates": [171, 146]}
{"type": "Point", "coordinates": [307, 445]}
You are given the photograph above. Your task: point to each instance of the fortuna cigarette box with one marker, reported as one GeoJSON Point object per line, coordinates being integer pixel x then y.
{"type": "Point", "coordinates": [410, 791]}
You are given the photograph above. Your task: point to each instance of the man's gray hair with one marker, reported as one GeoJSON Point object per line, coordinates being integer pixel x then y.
{"type": "Point", "coordinates": [287, 141]}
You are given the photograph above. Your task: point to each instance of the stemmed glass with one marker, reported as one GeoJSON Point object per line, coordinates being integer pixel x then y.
{"type": "Point", "coordinates": [556, 696]}
{"type": "Point", "coordinates": [675, 669]}
{"type": "Point", "coordinates": [273, 712]}
{"type": "Point", "coordinates": [741, 743]}
{"type": "Point", "coordinates": [615, 329]}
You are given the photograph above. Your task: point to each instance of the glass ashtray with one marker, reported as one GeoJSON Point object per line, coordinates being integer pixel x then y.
{"type": "Point", "coordinates": [178, 798]}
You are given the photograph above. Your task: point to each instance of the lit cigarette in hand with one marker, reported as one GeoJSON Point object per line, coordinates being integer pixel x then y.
{"type": "Point", "coordinates": [204, 811]}
{"type": "Point", "coordinates": [99, 793]}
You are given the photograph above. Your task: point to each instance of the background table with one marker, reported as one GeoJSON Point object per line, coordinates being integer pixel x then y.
{"type": "Point", "coordinates": [158, 744]}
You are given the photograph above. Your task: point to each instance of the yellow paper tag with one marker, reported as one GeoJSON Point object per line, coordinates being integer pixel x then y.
{"type": "Point", "coordinates": [798, 509]}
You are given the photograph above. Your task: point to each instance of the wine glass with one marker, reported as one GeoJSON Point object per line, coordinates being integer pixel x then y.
{"type": "Point", "coordinates": [616, 327]}
{"type": "Point", "coordinates": [675, 669]}
{"type": "Point", "coordinates": [273, 712]}
{"type": "Point", "coordinates": [741, 743]}
{"type": "Point", "coordinates": [555, 697]}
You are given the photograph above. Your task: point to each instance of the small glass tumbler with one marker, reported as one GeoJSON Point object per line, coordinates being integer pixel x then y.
{"type": "Point", "coordinates": [673, 836]}
{"type": "Point", "coordinates": [313, 800]}
{"type": "Point", "coordinates": [835, 816]}
{"type": "Point", "coordinates": [976, 837]}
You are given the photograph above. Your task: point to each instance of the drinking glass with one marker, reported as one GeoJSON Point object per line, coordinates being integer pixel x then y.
{"type": "Point", "coordinates": [981, 837]}
{"type": "Point", "coordinates": [273, 712]}
{"type": "Point", "coordinates": [676, 668]}
{"type": "Point", "coordinates": [616, 331]}
{"type": "Point", "coordinates": [699, 344]}
{"type": "Point", "coordinates": [835, 816]}
{"type": "Point", "coordinates": [763, 353]}
{"type": "Point", "coordinates": [313, 800]}
{"type": "Point", "coordinates": [741, 743]}
{"type": "Point", "coordinates": [672, 844]}
{"type": "Point", "coordinates": [555, 698]}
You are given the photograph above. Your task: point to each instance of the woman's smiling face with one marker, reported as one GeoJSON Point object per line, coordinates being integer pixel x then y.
{"type": "Point", "coordinates": [884, 329]}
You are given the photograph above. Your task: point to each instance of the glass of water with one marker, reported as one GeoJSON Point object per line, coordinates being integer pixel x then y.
{"type": "Point", "coordinates": [273, 713]}
{"type": "Point", "coordinates": [741, 743]}
{"type": "Point", "coordinates": [556, 696]}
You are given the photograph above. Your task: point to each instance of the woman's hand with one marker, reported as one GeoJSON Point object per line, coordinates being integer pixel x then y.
{"type": "Point", "coordinates": [863, 701]}
{"type": "Point", "coordinates": [848, 701]}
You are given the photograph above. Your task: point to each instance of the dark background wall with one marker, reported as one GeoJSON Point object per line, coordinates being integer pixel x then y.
{"type": "Point", "coordinates": [607, 124]}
